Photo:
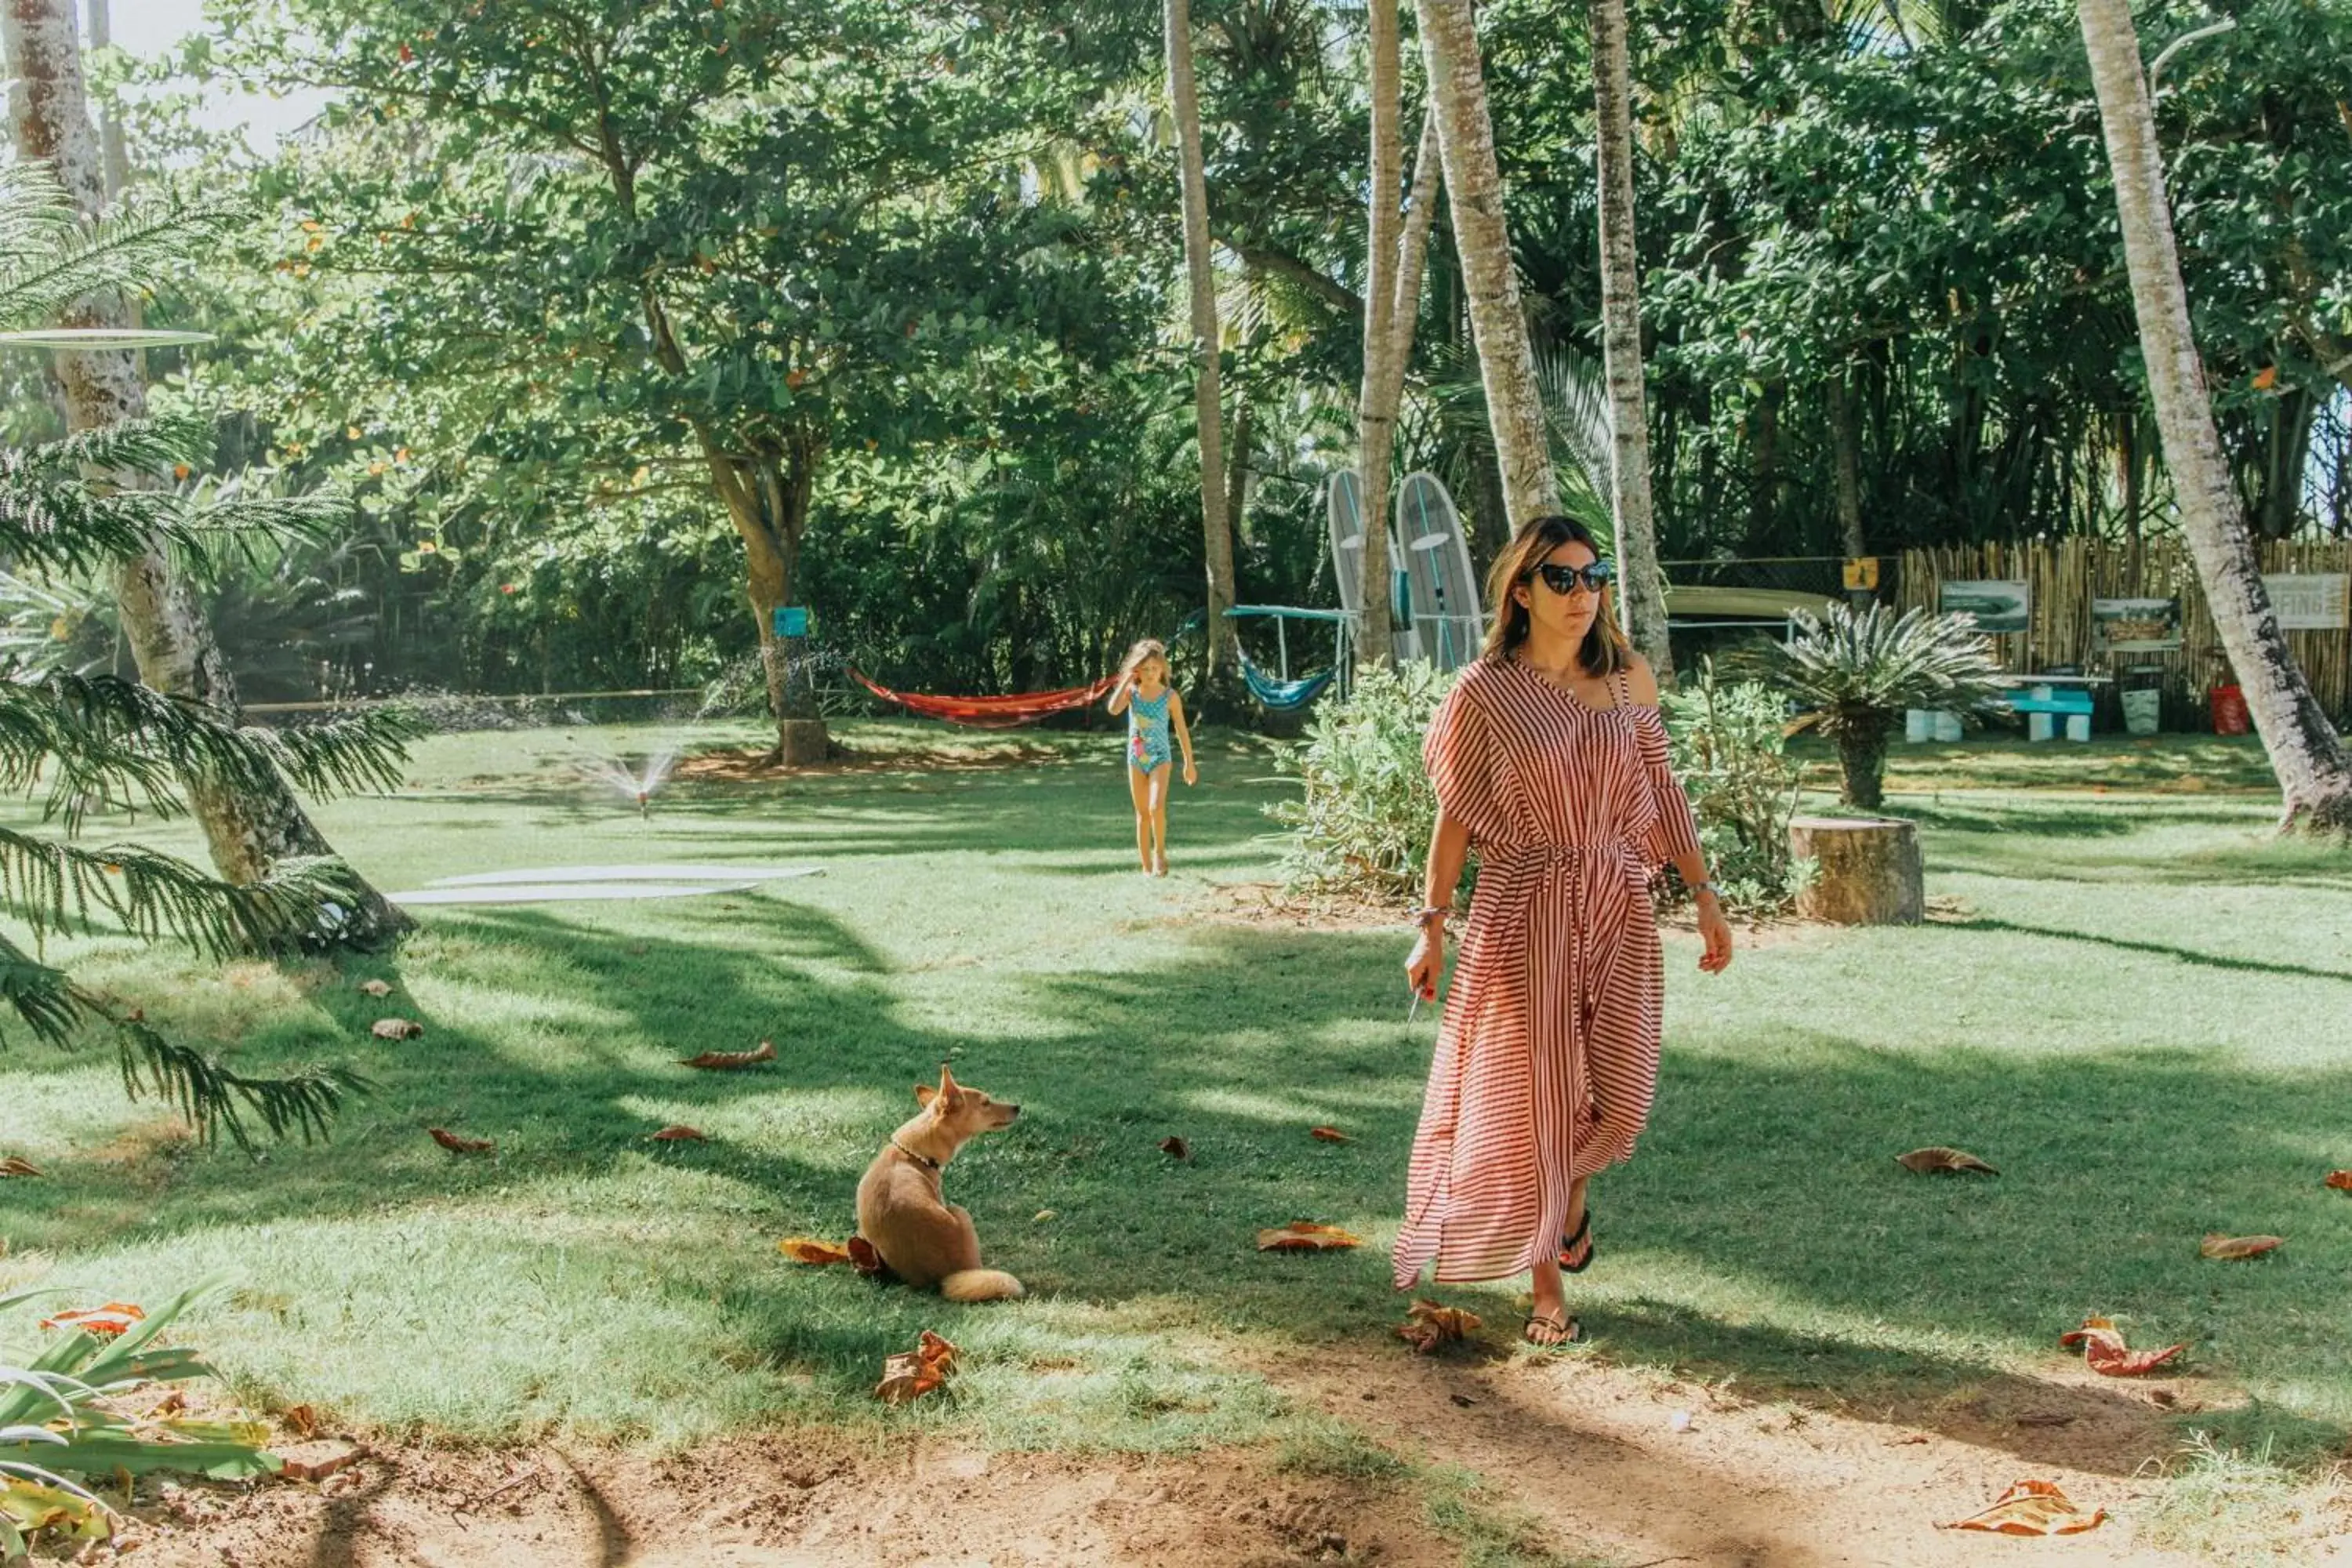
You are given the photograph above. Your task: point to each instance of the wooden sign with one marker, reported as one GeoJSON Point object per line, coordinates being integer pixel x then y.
{"type": "Point", "coordinates": [1861, 575]}
{"type": "Point", "coordinates": [2310, 602]}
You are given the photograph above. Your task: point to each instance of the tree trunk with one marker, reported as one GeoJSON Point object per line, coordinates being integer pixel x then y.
{"type": "Point", "coordinates": [1845, 435]}
{"type": "Point", "coordinates": [1216, 529]}
{"type": "Point", "coordinates": [1862, 767]}
{"type": "Point", "coordinates": [1867, 870]}
{"type": "Point", "coordinates": [2315, 773]}
{"type": "Point", "coordinates": [1474, 186]}
{"type": "Point", "coordinates": [1621, 342]}
{"type": "Point", "coordinates": [170, 638]}
{"type": "Point", "coordinates": [767, 497]}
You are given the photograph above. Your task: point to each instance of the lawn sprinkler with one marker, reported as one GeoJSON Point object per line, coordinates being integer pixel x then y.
{"type": "Point", "coordinates": [638, 786]}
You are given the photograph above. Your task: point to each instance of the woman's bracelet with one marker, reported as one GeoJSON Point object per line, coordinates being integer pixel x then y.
{"type": "Point", "coordinates": [1704, 885]}
{"type": "Point", "coordinates": [1428, 912]}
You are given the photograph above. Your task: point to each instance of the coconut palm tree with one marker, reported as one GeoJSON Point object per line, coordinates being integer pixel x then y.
{"type": "Point", "coordinates": [259, 824]}
{"type": "Point", "coordinates": [1620, 341]}
{"type": "Point", "coordinates": [1216, 527]}
{"type": "Point", "coordinates": [1473, 187]}
{"type": "Point", "coordinates": [2315, 772]}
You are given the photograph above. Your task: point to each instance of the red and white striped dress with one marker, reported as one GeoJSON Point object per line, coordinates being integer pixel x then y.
{"type": "Point", "coordinates": [1548, 1058]}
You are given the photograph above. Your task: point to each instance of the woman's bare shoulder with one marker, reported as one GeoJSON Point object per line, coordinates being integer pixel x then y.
{"type": "Point", "coordinates": [1641, 681]}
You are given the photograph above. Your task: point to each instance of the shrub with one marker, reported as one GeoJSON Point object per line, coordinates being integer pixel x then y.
{"type": "Point", "coordinates": [1362, 819]}
{"type": "Point", "coordinates": [1855, 672]}
{"type": "Point", "coordinates": [1730, 749]}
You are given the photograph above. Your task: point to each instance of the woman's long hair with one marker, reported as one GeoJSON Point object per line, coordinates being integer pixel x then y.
{"type": "Point", "coordinates": [1605, 650]}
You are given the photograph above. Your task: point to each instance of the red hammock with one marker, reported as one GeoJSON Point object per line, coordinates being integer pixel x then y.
{"type": "Point", "coordinates": [993, 712]}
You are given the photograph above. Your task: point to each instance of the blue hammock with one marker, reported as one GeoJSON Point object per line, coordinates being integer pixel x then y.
{"type": "Point", "coordinates": [1284, 695]}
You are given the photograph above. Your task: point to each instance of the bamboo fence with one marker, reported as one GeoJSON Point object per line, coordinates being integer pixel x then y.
{"type": "Point", "coordinates": [2066, 574]}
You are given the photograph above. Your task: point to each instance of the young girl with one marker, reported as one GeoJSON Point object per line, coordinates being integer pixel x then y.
{"type": "Point", "coordinates": [1153, 709]}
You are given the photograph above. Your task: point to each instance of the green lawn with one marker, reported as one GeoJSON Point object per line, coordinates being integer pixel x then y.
{"type": "Point", "coordinates": [2132, 1003]}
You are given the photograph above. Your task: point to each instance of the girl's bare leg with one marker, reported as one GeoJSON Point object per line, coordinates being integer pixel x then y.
{"type": "Point", "coordinates": [1160, 814]}
{"type": "Point", "coordinates": [1139, 790]}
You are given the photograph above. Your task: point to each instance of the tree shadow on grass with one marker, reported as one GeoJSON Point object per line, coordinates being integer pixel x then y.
{"type": "Point", "coordinates": [2154, 949]}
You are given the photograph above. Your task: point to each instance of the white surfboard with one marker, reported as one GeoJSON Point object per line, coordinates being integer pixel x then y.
{"type": "Point", "coordinates": [1439, 579]}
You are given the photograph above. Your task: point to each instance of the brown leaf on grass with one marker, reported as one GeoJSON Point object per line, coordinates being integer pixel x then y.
{"type": "Point", "coordinates": [378, 989]}
{"type": "Point", "coordinates": [2340, 1180]}
{"type": "Point", "coordinates": [317, 1461]}
{"type": "Point", "coordinates": [727, 1061]}
{"type": "Point", "coordinates": [2105, 1351]}
{"type": "Point", "coordinates": [865, 1259]}
{"type": "Point", "coordinates": [1329, 1135]}
{"type": "Point", "coordinates": [302, 1420]}
{"type": "Point", "coordinates": [1428, 1325]}
{"type": "Point", "coordinates": [396, 1029]}
{"type": "Point", "coordinates": [171, 1404]}
{"type": "Point", "coordinates": [678, 1133]}
{"type": "Point", "coordinates": [814, 1253]}
{"type": "Point", "coordinates": [15, 1166]}
{"type": "Point", "coordinates": [457, 1145]}
{"type": "Point", "coordinates": [2233, 1247]}
{"type": "Point", "coordinates": [1304, 1235]}
{"type": "Point", "coordinates": [1941, 1161]}
{"type": "Point", "coordinates": [2031, 1508]}
{"type": "Point", "coordinates": [107, 1322]}
{"type": "Point", "coordinates": [910, 1375]}
{"type": "Point", "coordinates": [1176, 1148]}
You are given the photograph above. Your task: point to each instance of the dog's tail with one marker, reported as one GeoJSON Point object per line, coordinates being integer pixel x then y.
{"type": "Point", "coordinates": [979, 1285]}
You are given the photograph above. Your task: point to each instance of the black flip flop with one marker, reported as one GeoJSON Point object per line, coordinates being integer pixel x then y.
{"type": "Point", "coordinates": [1569, 1245]}
{"type": "Point", "coordinates": [1571, 1331]}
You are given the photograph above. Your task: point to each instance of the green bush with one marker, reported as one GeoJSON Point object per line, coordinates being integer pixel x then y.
{"type": "Point", "coordinates": [1362, 819]}
{"type": "Point", "coordinates": [1730, 749]}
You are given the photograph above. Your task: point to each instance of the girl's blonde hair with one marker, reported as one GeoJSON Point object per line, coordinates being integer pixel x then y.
{"type": "Point", "coordinates": [1148, 648]}
{"type": "Point", "coordinates": [1605, 650]}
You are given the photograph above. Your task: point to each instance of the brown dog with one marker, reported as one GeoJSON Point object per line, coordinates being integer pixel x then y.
{"type": "Point", "coordinates": [927, 1241]}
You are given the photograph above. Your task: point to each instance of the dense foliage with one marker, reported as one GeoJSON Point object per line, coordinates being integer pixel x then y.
{"type": "Point", "coordinates": [1731, 751]}
{"type": "Point", "coordinates": [638, 296]}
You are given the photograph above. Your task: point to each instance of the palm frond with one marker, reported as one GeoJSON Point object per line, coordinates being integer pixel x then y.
{"type": "Point", "coordinates": [1858, 671]}
{"type": "Point", "coordinates": [55, 886]}
{"type": "Point", "coordinates": [37, 214]}
{"type": "Point", "coordinates": [213, 1099]}
{"type": "Point", "coordinates": [133, 447]}
{"type": "Point", "coordinates": [342, 756]}
{"type": "Point", "coordinates": [134, 242]}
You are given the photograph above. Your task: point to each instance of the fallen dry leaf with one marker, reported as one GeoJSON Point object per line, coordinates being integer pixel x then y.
{"type": "Point", "coordinates": [302, 1420]}
{"type": "Point", "coordinates": [809, 1250]}
{"type": "Point", "coordinates": [865, 1259]}
{"type": "Point", "coordinates": [107, 1322]}
{"type": "Point", "coordinates": [1329, 1135]}
{"type": "Point", "coordinates": [1176, 1147]}
{"type": "Point", "coordinates": [2031, 1508]}
{"type": "Point", "coordinates": [727, 1061]}
{"type": "Point", "coordinates": [2104, 1349]}
{"type": "Point", "coordinates": [171, 1404]}
{"type": "Point", "coordinates": [1428, 1325]}
{"type": "Point", "coordinates": [15, 1166]}
{"type": "Point", "coordinates": [678, 1133]}
{"type": "Point", "coordinates": [318, 1461]}
{"type": "Point", "coordinates": [457, 1145]}
{"type": "Point", "coordinates": [1942, 1161]}
{"type": "Point", "coordinates": [1304, 1235]}
{"type": "Point", "coordinates": [912, 1374]}
{"type": "Point", "coordinates": [396, 1029]}
{"type": "Point", "coordinates": [375, 987]}
{"type": "Point", "coordinates": [2233, 1247]}
{"type": "Point", "coordinates": [2340, 1180]}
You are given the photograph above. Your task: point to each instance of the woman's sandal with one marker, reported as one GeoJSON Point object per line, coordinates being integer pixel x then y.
{"type": "Point", "coordinates": [1576, 1251]}
{"type": "Point", "coordinates": [1568, 1329]}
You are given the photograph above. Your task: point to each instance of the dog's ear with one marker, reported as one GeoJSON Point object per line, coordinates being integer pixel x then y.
{"type": "Point", "coordinates": [949, 1094]}
{"type": "Point", "coordinates": [925, 1094]}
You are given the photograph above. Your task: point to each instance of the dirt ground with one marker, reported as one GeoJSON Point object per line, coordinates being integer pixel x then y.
{"type": "Point", "coordinates": [1602, 1463]}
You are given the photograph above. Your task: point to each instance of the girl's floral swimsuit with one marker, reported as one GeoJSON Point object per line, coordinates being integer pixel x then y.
{"type": "Point", "coordinates": [1148, 749]}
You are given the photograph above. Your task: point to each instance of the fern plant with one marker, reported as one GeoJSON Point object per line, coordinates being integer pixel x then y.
{"type": "Point", "coordinates": [82, 743]}
{"type": "Point", "coordinates": [1852, 674]}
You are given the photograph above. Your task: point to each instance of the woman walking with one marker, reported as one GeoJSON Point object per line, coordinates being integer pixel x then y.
{"type": "Point", "coordinates": [1550, 761]}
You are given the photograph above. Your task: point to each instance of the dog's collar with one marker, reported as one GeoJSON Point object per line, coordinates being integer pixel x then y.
{"type": "Point", "coordinates": [923, 1160]}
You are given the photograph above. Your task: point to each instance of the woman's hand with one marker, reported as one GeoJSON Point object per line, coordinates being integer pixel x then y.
{"type": "Point", "coordinates": [1425, 965]}
{"type": "Point", "coordinates": [1717, 931]}
{"type": "Point", "coordinates": [1192, 773]}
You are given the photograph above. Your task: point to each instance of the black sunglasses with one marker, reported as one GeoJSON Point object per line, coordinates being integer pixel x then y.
{"type": "Point", "coordinates": [1563, 579]}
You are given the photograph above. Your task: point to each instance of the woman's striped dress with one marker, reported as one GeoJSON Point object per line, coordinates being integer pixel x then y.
{"type": "Point", "coordinates": [1548, 1058]}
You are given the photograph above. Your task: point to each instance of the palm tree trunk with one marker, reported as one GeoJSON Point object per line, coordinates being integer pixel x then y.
{"type": "Point", "coordinates": [1216, 529]}
{"type": "Point", "coordinates": [2315, 773]}
{"type": "Point", "coordinates": [1845, 437]}
{"type": "Point", "coordinates": [1474, 185]}
{"type": "Point", "coordinates": [169, 636]}
{"type": "Point", "coordinates": [1621, 342]}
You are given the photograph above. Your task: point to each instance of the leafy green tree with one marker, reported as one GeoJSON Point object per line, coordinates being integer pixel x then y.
{"type": "Point", "coordinates": [752, 239]}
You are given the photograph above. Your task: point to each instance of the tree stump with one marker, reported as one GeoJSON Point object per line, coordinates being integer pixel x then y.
{"type": "Point", "coordinates": [1870, 869]}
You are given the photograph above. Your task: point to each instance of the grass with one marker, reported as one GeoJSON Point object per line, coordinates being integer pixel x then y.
{"type": "Point", "coordinates": [2131, 1004]}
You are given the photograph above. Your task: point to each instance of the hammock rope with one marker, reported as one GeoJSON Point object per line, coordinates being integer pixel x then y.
{"type": "Point", "coordinates": [993, 712]}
